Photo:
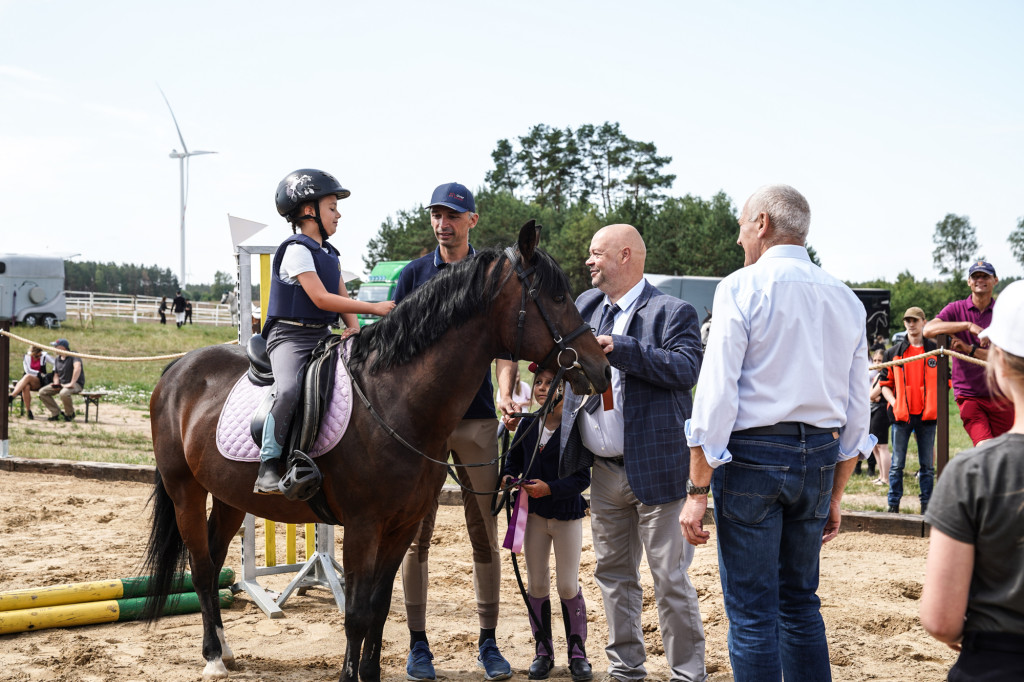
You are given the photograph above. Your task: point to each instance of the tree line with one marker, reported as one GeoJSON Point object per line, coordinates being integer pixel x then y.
{"type": "Point", "coordinates": [139, 280]}
{"type": "Point", "coordinates": [573, 182]}
{"type": "Point", "coordinates": [576, 181]}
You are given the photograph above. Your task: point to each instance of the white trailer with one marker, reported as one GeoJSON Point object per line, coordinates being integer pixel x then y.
{"type": "Point", "coordinates": [32, 289]}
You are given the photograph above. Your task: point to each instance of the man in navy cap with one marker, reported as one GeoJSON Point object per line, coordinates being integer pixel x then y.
{"type": "Point", "coordinates": [474, 441]}
{"type": "Point", "coordinates": [68, 379]}
{"type": "Point", "coordinates": [984, 416]}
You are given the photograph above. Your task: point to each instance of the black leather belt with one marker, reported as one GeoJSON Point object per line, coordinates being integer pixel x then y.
{"type": "Point", "coordinates": [615, 460]}
{"type": "Point", "coordinates": [786, 429]}
{"type": "Point", "coordinates": [295, 323]}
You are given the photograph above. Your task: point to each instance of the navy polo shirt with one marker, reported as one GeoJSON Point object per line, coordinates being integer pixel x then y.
{"type": "Point", "coordinates": [416, 274]}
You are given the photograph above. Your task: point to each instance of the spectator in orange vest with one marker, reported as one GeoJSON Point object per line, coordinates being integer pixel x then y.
{"type": "Point", "coordinates": [910, 391]}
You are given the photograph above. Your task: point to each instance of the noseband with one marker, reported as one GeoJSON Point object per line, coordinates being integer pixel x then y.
{"type": "Point", "coordinates": [526, 279]}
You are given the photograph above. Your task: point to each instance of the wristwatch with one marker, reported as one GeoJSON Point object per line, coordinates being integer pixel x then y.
{"type": "Point", "coordinates": [692, 489]}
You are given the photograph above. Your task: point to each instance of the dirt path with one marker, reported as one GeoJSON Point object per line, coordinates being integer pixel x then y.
{"type": "Point", "coordinates": [57, 529]}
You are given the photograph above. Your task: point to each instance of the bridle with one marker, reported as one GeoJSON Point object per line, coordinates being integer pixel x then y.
{"type": "Point", "coordinates": [529, 290]}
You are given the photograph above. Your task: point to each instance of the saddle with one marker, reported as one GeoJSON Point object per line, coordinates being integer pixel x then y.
{"type": "Point", "coordinates": [303, 478]}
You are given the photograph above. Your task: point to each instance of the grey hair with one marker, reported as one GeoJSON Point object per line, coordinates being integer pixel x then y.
{"type": "Point", "coordinates": [787, 208]}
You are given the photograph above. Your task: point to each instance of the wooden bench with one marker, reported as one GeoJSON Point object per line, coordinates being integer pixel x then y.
{"type": "Point", "coordinates": [93, 398]}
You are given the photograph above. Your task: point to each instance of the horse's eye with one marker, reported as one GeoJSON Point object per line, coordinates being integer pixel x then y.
{"type": "Point", "coordinates": [559, 298]}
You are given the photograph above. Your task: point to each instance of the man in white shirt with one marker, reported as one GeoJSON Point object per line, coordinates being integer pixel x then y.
{"type": "Point", "coordinates": [780, 416]}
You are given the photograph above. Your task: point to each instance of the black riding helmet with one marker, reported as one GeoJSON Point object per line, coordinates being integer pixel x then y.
{"type": "Point", "coordinates": [303, 185]}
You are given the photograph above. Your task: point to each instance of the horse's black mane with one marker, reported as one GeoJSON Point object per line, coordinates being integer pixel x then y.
{"type": "Point", "coordinates": [451, 298]}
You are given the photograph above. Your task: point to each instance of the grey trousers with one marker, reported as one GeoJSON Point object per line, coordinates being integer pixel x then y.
{"type": "Point", "coordinates": [474, 440]}
{"type": "Point", "coordinates": [622, 529]}
{"type": "Point", "coordinates": [289, 348]}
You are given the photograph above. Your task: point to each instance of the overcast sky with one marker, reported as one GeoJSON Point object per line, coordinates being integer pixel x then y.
{"type": "Point", "coordinates": [887, 116]}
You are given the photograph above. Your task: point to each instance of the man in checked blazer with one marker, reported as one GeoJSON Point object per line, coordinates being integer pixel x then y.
{"type": "Point", "coordinates": [633, 438]}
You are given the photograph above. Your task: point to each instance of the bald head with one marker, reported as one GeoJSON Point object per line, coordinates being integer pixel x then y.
{"type": "Point", "coordinates": [617, 257]}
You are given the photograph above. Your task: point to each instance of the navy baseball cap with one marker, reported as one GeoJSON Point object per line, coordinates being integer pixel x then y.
{"type": "Point", "coordinates": [981, 266]}
{"type": "Point", "coordinates": [454, 196]}
{"type": "Point", "coordinates": [61, 342]}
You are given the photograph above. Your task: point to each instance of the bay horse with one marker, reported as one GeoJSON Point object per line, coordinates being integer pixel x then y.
{"type": "Point", "coordinates": [419, 367]}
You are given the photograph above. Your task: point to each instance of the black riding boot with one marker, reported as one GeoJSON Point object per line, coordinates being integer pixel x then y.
{"type": "Point", "coordinates": [545, 660]}
{"type": "Point", "coordinates": [268, 479]}
{"type": "Point", "coordinates": [574, 614]}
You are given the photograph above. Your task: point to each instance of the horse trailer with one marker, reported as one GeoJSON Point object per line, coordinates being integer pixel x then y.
{"type": "Point", "coordinates": [32, 290]}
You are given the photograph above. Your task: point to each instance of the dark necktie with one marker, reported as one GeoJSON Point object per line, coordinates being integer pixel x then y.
{"type": "Point", "coordinates": [605, 329]}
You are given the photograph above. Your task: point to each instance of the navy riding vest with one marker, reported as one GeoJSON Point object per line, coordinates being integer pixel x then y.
{"type": "Point", "coordinates": [290, 301]}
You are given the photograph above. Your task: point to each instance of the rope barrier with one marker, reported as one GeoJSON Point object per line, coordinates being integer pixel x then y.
{"type": "Point", "coordinates": [937, 351]}
{"type": "Point", "coordinates": [110, 358]}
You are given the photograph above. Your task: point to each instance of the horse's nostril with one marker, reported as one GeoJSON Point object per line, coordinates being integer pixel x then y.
{"type": "Point", "coordinates": [608, 372]}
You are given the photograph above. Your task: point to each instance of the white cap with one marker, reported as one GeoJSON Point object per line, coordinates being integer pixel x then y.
{"type": "Point", "coordinates": [1007, 328]}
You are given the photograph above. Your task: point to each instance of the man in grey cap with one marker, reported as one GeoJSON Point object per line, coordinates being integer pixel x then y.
{"type": "Point", "coordinates": [68, 379]}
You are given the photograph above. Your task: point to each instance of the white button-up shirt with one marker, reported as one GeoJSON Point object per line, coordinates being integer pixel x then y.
{"type": "Point", "coordinates": [788, 344]}
{"type": "Point", "coordinates": [603, 431]}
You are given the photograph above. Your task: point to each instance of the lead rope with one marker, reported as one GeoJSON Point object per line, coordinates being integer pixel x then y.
{"type": "Point", "coordinates": [542, 412]}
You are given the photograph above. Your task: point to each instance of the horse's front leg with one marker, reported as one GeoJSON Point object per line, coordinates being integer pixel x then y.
{"type": "Point", "coordinates": [360, 553]}
{"type": "Point", "coordinates": [389, 558]}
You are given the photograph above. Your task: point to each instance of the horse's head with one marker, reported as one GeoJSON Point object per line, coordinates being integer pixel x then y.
{"type": "Point", "coordinates": [543, 325]}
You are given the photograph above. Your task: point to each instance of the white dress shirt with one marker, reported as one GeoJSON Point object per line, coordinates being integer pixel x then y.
{"type": "Point", "coordinates": [788, 344]}
{"type": "Point", "coordinates": [603, 432]}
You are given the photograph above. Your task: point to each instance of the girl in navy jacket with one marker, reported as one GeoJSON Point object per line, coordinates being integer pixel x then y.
{"type": "Point", "coordinates": [556, 511]}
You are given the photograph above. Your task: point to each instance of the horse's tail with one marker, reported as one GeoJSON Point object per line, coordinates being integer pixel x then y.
{"type": "Point", "coordinates": [165, 553]}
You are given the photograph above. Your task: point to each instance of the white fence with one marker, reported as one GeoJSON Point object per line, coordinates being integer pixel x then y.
{"type": "Point", "coordinates": [85, 305]}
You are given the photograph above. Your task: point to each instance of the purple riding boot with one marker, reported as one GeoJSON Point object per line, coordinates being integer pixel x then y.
{"type": "Point", "coordinates": [540, 621]}
{"type": "Point", "coordinates": [574, 613]}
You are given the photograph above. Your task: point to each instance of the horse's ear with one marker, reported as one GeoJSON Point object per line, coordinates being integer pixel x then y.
{"type": "Point", "coordinates": [529, 235]}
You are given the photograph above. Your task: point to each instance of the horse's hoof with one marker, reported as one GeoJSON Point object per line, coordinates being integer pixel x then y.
{"type": "Point", "coordinates": [215, 670]}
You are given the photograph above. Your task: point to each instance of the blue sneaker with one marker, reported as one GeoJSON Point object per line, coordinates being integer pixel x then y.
{"type": "Point", "coordinates": [418, 667]}
{"type": "Point", "coordinates": [494, 664]}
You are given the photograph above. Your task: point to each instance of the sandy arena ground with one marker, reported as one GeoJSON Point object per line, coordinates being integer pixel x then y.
{"type": "Point", "coordinates": [56, 529]}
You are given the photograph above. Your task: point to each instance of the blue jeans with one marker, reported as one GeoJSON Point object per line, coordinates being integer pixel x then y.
{"type": "Point", "coordinates": [925, 432]}
{"type": "Point", "coordinates": [771, 504]}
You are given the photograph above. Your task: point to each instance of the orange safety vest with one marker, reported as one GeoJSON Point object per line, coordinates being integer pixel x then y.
{"type": "Point", "coordinates": [895, 378]}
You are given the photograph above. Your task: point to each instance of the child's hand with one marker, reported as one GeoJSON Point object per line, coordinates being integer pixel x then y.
{"type": "Point", "coordinates": [536, 488]}
{"type": "Point", "coordinates": [511, 423]}
{"type": "Point", "coordinates": [383, 308]}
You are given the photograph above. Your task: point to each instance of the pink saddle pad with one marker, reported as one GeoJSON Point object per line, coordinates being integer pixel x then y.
{"type": "Point", "coordinates": [234, 439]}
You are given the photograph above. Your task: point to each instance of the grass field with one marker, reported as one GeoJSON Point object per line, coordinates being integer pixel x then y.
{"type": "Point", "coordinates": [131, 384]}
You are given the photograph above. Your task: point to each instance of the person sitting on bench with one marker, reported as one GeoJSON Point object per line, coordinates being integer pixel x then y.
{"type": "Point", "coordinates": [68, 379]}
{"type": "Point", "coordinates": [35, 373]}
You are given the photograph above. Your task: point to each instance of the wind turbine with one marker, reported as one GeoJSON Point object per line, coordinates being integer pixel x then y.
{"type": "Point", "coordinates": [182, 158]}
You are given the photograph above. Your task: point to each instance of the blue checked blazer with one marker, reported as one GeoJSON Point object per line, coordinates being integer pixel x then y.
{"type": "Point", "coordinates": [660, 357]}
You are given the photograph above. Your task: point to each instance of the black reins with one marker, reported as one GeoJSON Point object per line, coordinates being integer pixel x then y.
{"type": "Point", "coordinates": [561, 345]}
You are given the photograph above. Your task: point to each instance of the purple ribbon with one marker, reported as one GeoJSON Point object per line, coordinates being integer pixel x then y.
{"type": "Point", "coordinates": [517, 526]}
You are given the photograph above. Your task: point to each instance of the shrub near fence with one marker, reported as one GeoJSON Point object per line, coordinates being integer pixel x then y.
{"type": "Point", "coordinates": [86, 305]}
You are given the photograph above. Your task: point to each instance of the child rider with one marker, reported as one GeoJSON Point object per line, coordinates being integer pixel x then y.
{"type": "Point", "coordinates": [306, 295]}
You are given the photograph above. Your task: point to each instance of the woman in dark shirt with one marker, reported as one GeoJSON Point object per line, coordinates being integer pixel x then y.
{"type": "Point", "coordinates": [556, 511]}
{"type": "Point", "coordinates": [973, 597]}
